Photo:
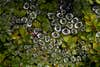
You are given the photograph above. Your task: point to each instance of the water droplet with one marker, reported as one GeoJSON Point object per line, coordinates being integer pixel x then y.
{"type": "Point", "coordinates": [40, 35]}
{"type": "Point", "coordinates": [41, 42]}
{"type": "Point", "coordinates": [79, 58]}
{"type": "Point", "coordinates": [69, 25]}
{"type": "Point", "coordinates": [57, 28]}
{"type": "Point", "coordinates": [65, 31]}
{"type": "Point", "coordinates": [78, 25]}
{"type": "Point", "coordinates": [66, 60]}
{"type": "Point", "coordinates": [69, 16]}
{"type": "Point", "coordinates": [98, 34]}
{"type": "Point", "coordinates": [55, 35]}
{"type": "Point", "coordinates": [73, 59]}
{"type": "Point", "coordinates": [51, 15]}
{"type": "Point", "coordinates": [75, 20]}
{"type": "Point", "coordinates": [47, 38]}
{"type": "Point", "coordinates": [24, 19]}
{"type": "Point", "coordinates": [63, 21]}
{"type": "Point", "coordinates": [74, 31]}
{"type": "Point", "coordinates": [26, 6]}
{"type": "Point", "coordinates": [59, 15]}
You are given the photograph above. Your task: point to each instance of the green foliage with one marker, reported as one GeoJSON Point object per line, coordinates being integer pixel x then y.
{"type": "Point", "coordinates": [9, 42]}
{"type": "Point", "coordinates": [48, 6]}
{"type": "Point", "coordinates": [45, 24]}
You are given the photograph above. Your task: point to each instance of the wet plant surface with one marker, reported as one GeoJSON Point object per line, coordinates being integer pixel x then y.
{"type": "Point", "coordinates": [49, 33]}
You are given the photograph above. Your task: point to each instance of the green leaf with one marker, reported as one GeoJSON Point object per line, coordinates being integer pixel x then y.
{"type": "Point", "coordinates": [19, 13]}
{"type": "Point", "coordinates": [1, 11]}
{"type": "Point", "coordinates": [22, 31]}
{"type": "Point", "coordinates": [98, 1]}
{"type": "Point", "coordinates": [67, 38]}
{"type": "Point", "coordinates": [15, 65]}
{"type": "Point", "coordinates": [90, 1]}
{"type": "Point", "coordinates": [2, 56]}
{"type": "Point", "coordinates": [96, 46]}
{"type": "Point", "coordinates": [50, 7]}
{"type": "Point", "coordinates": [88, 29]}
{"type": "Point", "coordinates": [97, 24]}
{"type": "Point", "coordinates": [45, 24]}
{"type": "Point", "coordinates": [36, 24]}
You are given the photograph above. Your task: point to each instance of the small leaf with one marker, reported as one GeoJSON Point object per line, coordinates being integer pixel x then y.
{"type": "Point", "coordinates": [22, 31]}
{"type": "Point", "coordinates": [96, 46]}
{"type": "Point", "coordinates": [98, 1]}
{"type": "Point", "coordinates": [45, 24]}
{"type": "Point", "coordinates": [67, 38]}
{"type": "Point", "coordinates": [88, 29]}
{"type": "Point", "coordinates": [90, 1]}
{"type": "Point", "coordinates": [36, 24]}
{"type": "Point", "coordinates": [83, 37]}
{"type": "Point", "coordinates": [2, 56]}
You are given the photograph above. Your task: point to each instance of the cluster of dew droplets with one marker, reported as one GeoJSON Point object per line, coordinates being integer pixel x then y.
{"type": "Point", "coordinates": [47, 45]}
